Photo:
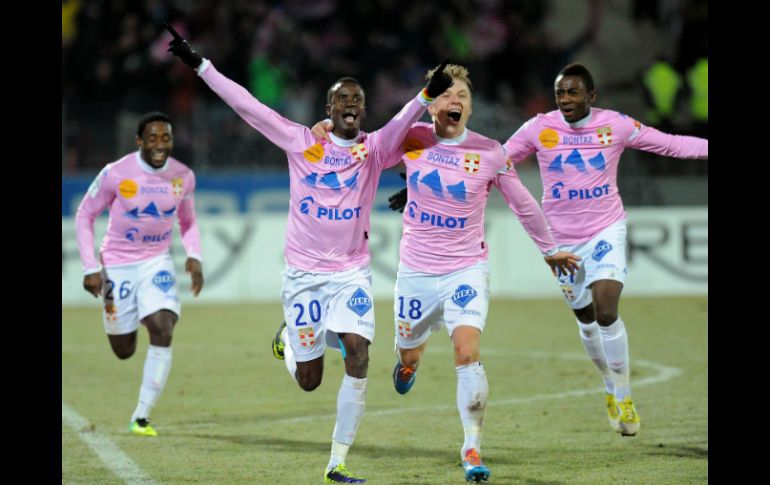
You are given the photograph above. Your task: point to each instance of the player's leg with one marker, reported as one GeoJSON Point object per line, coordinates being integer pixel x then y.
{"type": "Point", "coordinates": [417, 311]}
{"type": "Point", "coordinates": [119, 311]}
{"type": "Point", "coordinates": [465, 310]}
{"type": "Point", "coordinates": [158, 309]}
{"type": "Point", "coordinates": [350, 328]}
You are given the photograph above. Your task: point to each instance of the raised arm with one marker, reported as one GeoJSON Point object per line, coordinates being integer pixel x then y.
{"type": "Point", "coordinates": [286, 134]}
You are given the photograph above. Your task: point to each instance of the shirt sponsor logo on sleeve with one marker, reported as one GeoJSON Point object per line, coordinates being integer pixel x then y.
{"type": "Point", "coordinates": [128, 188]}
{"type": "Point", "coordinates": [549, 138]}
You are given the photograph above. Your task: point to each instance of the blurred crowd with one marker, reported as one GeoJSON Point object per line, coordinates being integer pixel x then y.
{"type": "Point", "coordinates": [115, 66]}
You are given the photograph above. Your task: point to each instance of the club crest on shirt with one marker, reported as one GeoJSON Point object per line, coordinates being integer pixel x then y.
{"type": "Point", "coordinates": [176, 186]}
{"type": "Point", "coordinates": [314, 153]}
{"type": "Point", "coordinates": [472, 162]}
{"type": "Point", "coordinates": [306, 336]}
{"type": "Point", "coordinates": [413, 149]}
{"type": "Point", "coordinates": [604, 134]}
{"type": "Point", "coordinates": [359, 152]}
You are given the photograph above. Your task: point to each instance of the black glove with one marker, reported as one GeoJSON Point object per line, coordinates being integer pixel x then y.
{"type": "Point", "coordinates": [439, 82]}
{"type": "Point", "coordinates": [180, 48]}
{"type": "Point", "coordinates": [398, 200]}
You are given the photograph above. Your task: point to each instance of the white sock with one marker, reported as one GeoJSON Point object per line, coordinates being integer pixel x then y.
{"type": "Point", "coordinates": [615, 345]}
{"type": "Point", "coordinates": [592, 342]}
{"type": "Point", "coordinates": [288, 355]}
{"type": "Point", "coordinates": [472, 393]}
{"type": "Point", "coordinates": [156, 368]}
{"type": "Point", "coordinates": [351, 400]}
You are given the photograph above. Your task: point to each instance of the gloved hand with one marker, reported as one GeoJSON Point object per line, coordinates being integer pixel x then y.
{"type": "Point", "coordinates": [398, 200]}
{"type": "Point", "coordinates": [181, 48]}
{"type": "Point", "coordinates": [439, 82]}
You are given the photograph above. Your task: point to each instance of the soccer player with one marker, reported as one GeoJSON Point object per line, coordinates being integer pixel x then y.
{"type": "Point", "coordinates": [144, 192]}
{"type": "Point", "coordinates": [442, 276]}
{"type": "Point", "coordinates": [326, 291]}
{"type": "Point", "coordinates": [578, 149]}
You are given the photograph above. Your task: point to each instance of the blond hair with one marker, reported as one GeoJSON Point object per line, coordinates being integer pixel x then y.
{"type": "Point", "coordinates": [456, 71]}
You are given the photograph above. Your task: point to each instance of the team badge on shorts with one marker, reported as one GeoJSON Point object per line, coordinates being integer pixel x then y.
{"type": "Point", "coordinates": [568, 293]}
{"type": "Point", "coordinates": [360, 302]}
{"type": "Point", "coordinates": [163, 280]}
{"type": "Point", "coordinates": [463, 294]}
{"type": "Point", "coordinates": [601, 249]}
{"type": "Point", "coordinates": [404, 329]}
{"type": "Point", "coordinates": [110, 312]}
{"type": "Point", "coordinates": [306, 337]}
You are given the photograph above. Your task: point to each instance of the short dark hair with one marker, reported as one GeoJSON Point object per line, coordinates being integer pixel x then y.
{"type": "Point", "coordinates": [149, 118]}
{"type": "Point", "coordinates": [580, 71]}
{"type": "Point", "coordinates": [346, 79]}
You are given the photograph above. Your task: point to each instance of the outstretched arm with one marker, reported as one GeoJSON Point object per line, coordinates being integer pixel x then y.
{"type": "Point", "coordinates": [284, 133]}
{"type": "Point", "coordinates": [678, 146]}
{"type": "Point", "coordinates": [527, 210]}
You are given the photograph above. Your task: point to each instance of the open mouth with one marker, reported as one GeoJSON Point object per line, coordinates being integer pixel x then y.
{"type": "Point", "coordinates": [567, 111]}
{"type": "Point", "coordinates": [159, 155]}
{"type": "Point", "coordinates": [349, 117]}
{"type": "Point", "coordinates": [455, 115]}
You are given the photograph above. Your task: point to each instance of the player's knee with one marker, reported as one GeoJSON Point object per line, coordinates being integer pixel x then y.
{"type": "Point", "coordinates": [308, 382]}
{"type": "Point", "coordinates": [606, 317]}
{"type": "Point", "coordinates": [123, 352]}
{"type": "Point", "coordinates": [466, 354]}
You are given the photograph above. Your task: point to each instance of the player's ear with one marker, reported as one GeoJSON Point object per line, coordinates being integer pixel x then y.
{"type": "Point", "coordinates": [328, 110]}
{"type": "Point", "coordinates": [139, 141]}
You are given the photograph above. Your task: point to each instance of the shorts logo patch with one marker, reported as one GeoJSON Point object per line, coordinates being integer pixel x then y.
{"type": "Point", "coordinates": [601, 249]}
{"type": "Point", "coordinates": [568, 293]}
{"type": "Point", "coordinates": [111, 312]}
{"type": "Point", "coordinates": [306, 336]}
{"type": "Point", "coordinates": [163, 280]}
{"type": "Point", "coordinates": [404, 329]}
{"type": "Point", "coordinates": [360, 302]}
{"type": "Point", "coordinates": [463, 294]}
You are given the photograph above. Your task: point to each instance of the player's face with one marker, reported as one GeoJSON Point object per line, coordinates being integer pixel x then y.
{"type": "Point", "coordinates": [156, 143]}
{"type": "Point", "coordinates": [347, 109]}
{"type": "Point", "coordinates": [451, 110]}
{"type": "Point", "coordinates": [572, 97]}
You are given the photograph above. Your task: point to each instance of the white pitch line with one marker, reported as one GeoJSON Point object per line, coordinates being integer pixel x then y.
{"type": "Point", "coordinates": [664, 373]}
{"type": "Point", "coordinates": [117, 462]}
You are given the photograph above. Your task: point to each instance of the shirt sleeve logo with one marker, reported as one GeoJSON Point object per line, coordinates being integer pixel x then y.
{"type": "Point", "coordinates": [549, 138]}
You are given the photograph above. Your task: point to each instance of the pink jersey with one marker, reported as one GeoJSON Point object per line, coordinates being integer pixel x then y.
{"type": "Point", "coordinates": [332, 187]}
{"type": "Point", "coordinates": [143, 203]}
{"type": "Point", "coordinates": [579, 165]}
{"type": "Point", "coordinates": [448, 183]}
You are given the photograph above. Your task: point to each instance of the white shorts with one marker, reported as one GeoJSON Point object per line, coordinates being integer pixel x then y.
{"type": "Point", "coordinates": [603, 258]}
{"type": "Point", "coordinates": [318, 306]}
{"type": "Point", "coordinates": [424, 302]}
{"type": "Point", "coordinates": [133, 291]}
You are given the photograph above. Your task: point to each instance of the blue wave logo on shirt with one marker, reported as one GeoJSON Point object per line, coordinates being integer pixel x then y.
{"type": "Point", "coordinates": [163, 280]}
{"type": "Point", "coordinates": [601, 250]}
{"type": "Point", "coordinates": [304, 204]}
{"type": "Point", "coordinates": [463, 294]}
{"type": "Point", "coordinates": [360, 302]}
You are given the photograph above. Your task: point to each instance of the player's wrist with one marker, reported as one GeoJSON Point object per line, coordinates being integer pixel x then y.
{"type": "Point", "coordinates": [550, 252]}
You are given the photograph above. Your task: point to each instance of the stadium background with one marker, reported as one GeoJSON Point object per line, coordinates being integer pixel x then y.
{"type": "Point", "coordinates": [115, 68]}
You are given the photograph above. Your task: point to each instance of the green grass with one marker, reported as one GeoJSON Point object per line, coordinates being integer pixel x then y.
{"type": "Point", "coordinates": [231, 414]}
